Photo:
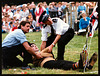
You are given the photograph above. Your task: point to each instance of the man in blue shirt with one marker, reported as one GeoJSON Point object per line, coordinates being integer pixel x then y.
{"type": "Point", "coordinates": [81, 8]}
{"type": "Point", "coordinates": [15, 43]}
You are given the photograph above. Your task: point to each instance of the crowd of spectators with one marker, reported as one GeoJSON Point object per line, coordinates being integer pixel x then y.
{"type": "Point", "coordinates": [67, 11]}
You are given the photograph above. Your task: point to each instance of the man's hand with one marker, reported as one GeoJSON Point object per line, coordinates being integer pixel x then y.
{"type": "Point", "coordinates": [43, 45]}
{"type": "Point", "coordinates": [50, 48]}
{"type": "Point", "coordinates": [38, 56]}
{"type": "Point", "coordinates": [55, 41]}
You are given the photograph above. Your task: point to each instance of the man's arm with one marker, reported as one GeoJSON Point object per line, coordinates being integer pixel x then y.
{"type": "Point", "coordinates": [43, 45]}
{"type": "Point", "coordinates": [31, 50]}
{"type": "Point", "coordinates": [54, 42]}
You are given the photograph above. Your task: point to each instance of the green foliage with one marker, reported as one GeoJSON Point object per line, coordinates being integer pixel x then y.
{"type": "Point", "coordinates": [72, 53]}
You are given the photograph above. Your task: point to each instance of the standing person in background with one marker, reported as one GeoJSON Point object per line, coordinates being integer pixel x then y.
{"type": "Point", "coordinates": [64, 9]}
{"type": "Point", "coordinates": [81, 8]}
{"type": "Point", "coordinates": [32, 8]}
{"type": "Point", "coordinates": [10, 13]}
{"type": "Point", "coordinates": [76, 23]}
{"type": "Point", "coordinates": [76, 12]}
{"type": "Point", "coordinates": [72, 14]}
{"type": "Point", "coordinates": [47, 9]}
{"type": "Point", "coordinates": [91, 7]}
{"type": "Point", "coordinates": [60, 12]}
{"type": "Point", "coordinates": [17, 14]}
{"type": "Point", "coordinates": [39, 11]}
{"type": "Point", "coordinates": [87, 8]}
{"type": "Point", "coordinates": [53, 10]}
{"type": "Point", "coordinates": [67, 13]}
{"type": "Point", "coordinates": [15, 9]}
{"type": "Point", "coordinates": [24, 13]}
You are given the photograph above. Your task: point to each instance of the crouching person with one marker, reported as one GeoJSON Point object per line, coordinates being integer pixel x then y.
{"type": "Point", "coordinates": [49, 62]}
{"type": "Point", "coordinates": [15, 43]}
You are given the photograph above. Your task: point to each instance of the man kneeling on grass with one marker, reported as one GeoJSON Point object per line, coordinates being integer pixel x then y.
{"type": "Point", "coordinates": [15, 43]}
{"type": "Point", "coordinates": [49, 62]}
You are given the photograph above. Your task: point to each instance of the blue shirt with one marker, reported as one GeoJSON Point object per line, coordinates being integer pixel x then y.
{"type": "Point", "coordinates": [83, 23]}
{"type": "Point", "coordinates": [63, 6]}
{"type": "Point", "coordinates": [31, 10]}
{"type": "Point", "coordinates": [81, 8]}
{"type": "Point", "coordinates": [14, 38]}
{"type": "Point", "coordinates": [47, 11]}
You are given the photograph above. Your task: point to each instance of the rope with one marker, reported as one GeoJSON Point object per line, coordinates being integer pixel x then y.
{"type": "Point", "coordinates": [85, 51]}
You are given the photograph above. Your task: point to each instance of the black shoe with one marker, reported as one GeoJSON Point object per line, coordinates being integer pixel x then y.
{"type": "Point", "coordinates": [92, 61]}
{"type": "Point", "coordinates": [27, 68]}
{"type": "Point", "coordinates": [81, 61]}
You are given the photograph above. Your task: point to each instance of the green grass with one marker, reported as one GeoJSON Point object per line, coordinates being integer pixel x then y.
{"type": "Point", "coordinates": [72, 53]}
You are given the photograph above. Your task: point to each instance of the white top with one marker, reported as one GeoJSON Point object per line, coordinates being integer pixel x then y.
{"type": "Point", "coordinates": [17, 15]}
{"type": "Point", "coordinates": [60, 27]}
{"type": "Point", "coordinates": [24, 14]}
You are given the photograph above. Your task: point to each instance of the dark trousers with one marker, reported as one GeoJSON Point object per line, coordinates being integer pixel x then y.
{"type": "Point", "coordinates": [76, 26]}
{"type": "Point", "coordinates": [59, 64]}
{"type": "Point", "coordinates": [10, 59]}
{"type": "Point", "coordinates": [61, 42]}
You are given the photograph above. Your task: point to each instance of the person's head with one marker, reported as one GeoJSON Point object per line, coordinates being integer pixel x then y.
{"type": "Point", "coordinates": [45, 5]}
{"type": "Point", "coordinates": [11, 23]}
{"type": "Point", "coordinates": [83, 14]}
{"type": "Point", "coordinates": [72, 3]}
{"type": "Point", "coordinates": [34, 46]}
{"type": "Point", "coordinates": [15, 24]}
{"type": "Point", "coordinates": [81, 3]}
{"type": "Point", "coordinates": [17, 21]}
{"type": "Point", "coordinates": [67, 5]}
{"type": "Point", "coordinates": [18, 9]}
{"type": "Point", "coordinates": [77, 4]}
{"type": "Point", "coordinates": [24, 9]}
{"type": "Point", "coordinates": [25, 26]}
{"type": "Point", "coordinates": [59, 4]}
{"type": "Point", "coordinates": [40, 4]}
{"type": "Point", "coordinates": [6, 23]}
{"type": "Point", "coordinates": [45, 19]}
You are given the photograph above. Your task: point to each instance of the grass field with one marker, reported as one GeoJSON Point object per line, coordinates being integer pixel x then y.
{"type": "Point", "coordinates": [72, 53]}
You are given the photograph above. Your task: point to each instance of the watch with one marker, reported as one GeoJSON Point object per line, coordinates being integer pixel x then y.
{"type": "Point", "coordinates": [53, 44]}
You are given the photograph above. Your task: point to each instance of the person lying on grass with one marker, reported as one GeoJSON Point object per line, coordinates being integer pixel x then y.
{"type": "Point", "coordinates": [49, 62]}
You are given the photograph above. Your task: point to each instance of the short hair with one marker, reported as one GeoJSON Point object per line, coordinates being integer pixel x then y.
{"type": "Point", "coordinates": [59, 3]}
{"type": "Point", "coordinates": [23, 23]}
{"type": "Point", "coordinates": [11, 22]}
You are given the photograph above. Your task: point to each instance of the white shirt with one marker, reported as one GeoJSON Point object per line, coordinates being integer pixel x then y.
{"type": "Point", "coordinates": [10, 14]}
{"type": "Point", "coordinates": [60, 27]}
{"type": "Point", "coordinates": [17, 15]}
{"type": "Point", "coordinates": [24, 14]}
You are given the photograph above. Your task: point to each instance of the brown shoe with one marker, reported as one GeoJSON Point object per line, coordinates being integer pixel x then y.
{"type": "Point", "coordinates": [92, 60]}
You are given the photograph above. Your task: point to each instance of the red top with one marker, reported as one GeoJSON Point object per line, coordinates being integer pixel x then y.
{"type": "Point", "coordinates": [40, 11]}
{"type": "Point", "coordinates": [14, 28]}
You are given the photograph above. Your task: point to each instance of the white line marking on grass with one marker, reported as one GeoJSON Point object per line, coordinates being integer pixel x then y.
{"type": "Point", "coordinates": [92, 72]}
